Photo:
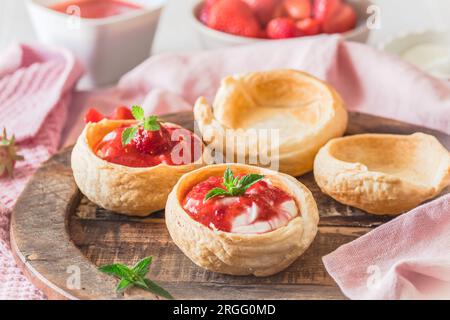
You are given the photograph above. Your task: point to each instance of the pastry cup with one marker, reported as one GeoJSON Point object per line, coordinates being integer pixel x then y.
{"type": "Point", "coordinates": [242, 254]}
{"type": "Point", "coordinates": [383, 173]}
{"type": "Point", "coordinates": [305, 111]}
{"type": "Point", "coordinates": [126, 190]}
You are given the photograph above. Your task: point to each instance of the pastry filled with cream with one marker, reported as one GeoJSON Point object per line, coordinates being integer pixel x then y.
{"type": "Point", "coordinates": [241, 220]}
{"type": "Point", "coordinates": [261, 208]}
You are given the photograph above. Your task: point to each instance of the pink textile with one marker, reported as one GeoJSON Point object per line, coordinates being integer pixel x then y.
{"type": "Point", "coordinates": [368, 80]}
{"type": "Point", "coordinates": [407, 258]}
{"type": "Point", "coordinates": [35, 89]}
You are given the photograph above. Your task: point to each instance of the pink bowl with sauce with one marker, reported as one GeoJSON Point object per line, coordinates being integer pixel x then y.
{"type": "Point", "coordinates": [109, 37]}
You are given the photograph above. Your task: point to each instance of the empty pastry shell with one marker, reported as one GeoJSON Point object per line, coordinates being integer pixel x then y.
{"type": "Point", "coordinates": [283, 117]}
{"type": "Point", "coordinates": [242, 254]}
{"type": "Point", "coordinates": [383, 173]}
{"type": "Point", "coordinates": [126, 190]}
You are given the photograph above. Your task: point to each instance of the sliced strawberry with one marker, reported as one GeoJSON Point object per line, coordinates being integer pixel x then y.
{"type": "Point", "coordinates": [325, 9]}
{"type": "Point", "coordinates": [122, 113]}
{"type": "Point", "coordinates": [342, 21]}
{"type": "Point", "coordinates": [309, 26]}
{"type": "Point", "coordinates": [281, 28]}
{"type": "Point", "coordinates": [152, 142]}
{"type": "Point", "coordinates": [92, 115]}
{"type": "Point", "coordinates": [298, 9]}
{"type": "Point", "coordinates": [235, 17]}
{"type": "Point", "coordinates": [263, 9]}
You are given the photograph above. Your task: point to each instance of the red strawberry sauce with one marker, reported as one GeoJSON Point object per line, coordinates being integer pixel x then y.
{"type": "Point", "coordinates": [167, 149]}
{"type": "Point", "coordinates": [258, 210]}
{"type": "Point", "coordinates": [96, 9]}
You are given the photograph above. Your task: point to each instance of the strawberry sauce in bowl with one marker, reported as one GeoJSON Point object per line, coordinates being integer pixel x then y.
{"type": "Point", "coordinates": [262, 208]}
{"type": "Point", "coordinates": [96, 9]}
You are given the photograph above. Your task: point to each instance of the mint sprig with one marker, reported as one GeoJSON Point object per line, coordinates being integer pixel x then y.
{"type": "Point", "coordinates": [150, 123]}
{"type": "Point", "coordinates": [234, 186]}
{"type": "Point", "coordinates": [135, 276]}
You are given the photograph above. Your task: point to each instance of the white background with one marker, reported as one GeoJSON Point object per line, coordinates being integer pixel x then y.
{"type": "Point", "coordinates": [176, 34]}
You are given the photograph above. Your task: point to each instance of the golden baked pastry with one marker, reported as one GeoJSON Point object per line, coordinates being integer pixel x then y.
{"type": "Point", "coordinates": [383, 173]}
{"type": "Point", "coordinates": [260, 232]}
{"type": "Point", "coordinates": [132, 189]}
{"type": "Point", "coordinates": [305, 111]}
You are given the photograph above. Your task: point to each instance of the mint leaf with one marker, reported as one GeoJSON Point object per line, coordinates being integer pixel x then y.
{"type": "Point", "coordinates": [118, 270]}
{"type": "Point", "coordinates": [134, 277]}
{"type": "Point", "coordinates": [228, 178]}
{"type": "Point", "coordinates": [137, 112]}
{"type": "Point", "coordinates": [123, 285]}
{"type": "Point", "coordinates": [156, 289]}
{"type": "Point", "coordinates": [142, 267]}
{"type": "Point", "coordinates": [151, 123]}
{"type": "Point", "coordinates": [140, 283]}
{"type": "Point", "coordinates": [215, 193]}
{"type": "Point", "coordinates": [234, 185]}
{"type": "Point", "coordinates": [128, 135]}
{"type": "Point", "coordinates": [249, 180]}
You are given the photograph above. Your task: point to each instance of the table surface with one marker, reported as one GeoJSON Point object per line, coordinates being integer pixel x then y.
{"type": "Point", "coordinates": [175, 33]}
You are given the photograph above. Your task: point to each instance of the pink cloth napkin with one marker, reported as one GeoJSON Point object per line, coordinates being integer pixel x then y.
{"type": "Point", "coordinates": [35, 89]}
{"type": "Point", "coordinates": [368, 80]}
{"type": "Point", "coordinates": [407, 258]}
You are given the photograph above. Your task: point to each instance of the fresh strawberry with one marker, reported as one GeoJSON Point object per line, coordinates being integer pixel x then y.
{"type": "Point", "coordinates": [152, 142]}
{"type": "Point", "coordinates": [298, 9]}
{"type": "Point", "coordinates": [281, 28]}
{"type": "Point", "coordinates": [342, 21]}
{"type": "Point", "coordinates": [263, 9]}
{"type": "Point", "coordinates": [235, 17]}
{"type": "Point", "coordinates": [280, 11]}
{"type": "Point", "coordinates": [308, 26]}
{"type": "Point", "coordinates": [325, 9]}
{"type": "Point", "coordinates": [204, 12]}
{"type": "Point", "coordinates": [122, 113]}
{"type": "Point", "coordinates": [92, 115]}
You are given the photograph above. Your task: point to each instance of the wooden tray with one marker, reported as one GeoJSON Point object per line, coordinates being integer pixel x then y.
{"type": "Point", "coordinates": [56, 233]}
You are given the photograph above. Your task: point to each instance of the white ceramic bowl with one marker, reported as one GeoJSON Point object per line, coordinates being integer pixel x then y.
{"type": "Point", "coordinates": [107, 47]}
{"type": "Point", "coordinates": [213, 39]}
{"type": "Point", "coordinates": [427, 49]}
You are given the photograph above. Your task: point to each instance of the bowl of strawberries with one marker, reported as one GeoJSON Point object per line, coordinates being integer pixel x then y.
{"type": "Point", "coordinates": [222, 23]}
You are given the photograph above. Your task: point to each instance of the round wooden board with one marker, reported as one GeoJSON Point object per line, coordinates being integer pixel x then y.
{"type": "Point", "coordinates": [58, 235]}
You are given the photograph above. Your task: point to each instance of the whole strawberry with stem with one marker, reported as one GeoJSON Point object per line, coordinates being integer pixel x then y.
{"type": "Point", "coordinates": [148, 136]}
{"type": "Point", "coordinates": [8, 155]}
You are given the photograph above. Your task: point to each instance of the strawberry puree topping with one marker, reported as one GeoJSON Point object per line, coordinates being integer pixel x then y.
{"type": "Point", "coordinates": [262, 208]}
{"type": "Point", "coordinates": [150, 148]}
{"type": "Point", "coordinates": [96, 9]}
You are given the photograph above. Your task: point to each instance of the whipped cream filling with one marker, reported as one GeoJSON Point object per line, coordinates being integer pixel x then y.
{"type": "Point", "coordinates": [247, 222]}
{"type": "Point", "coordinates": [262, 208]}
